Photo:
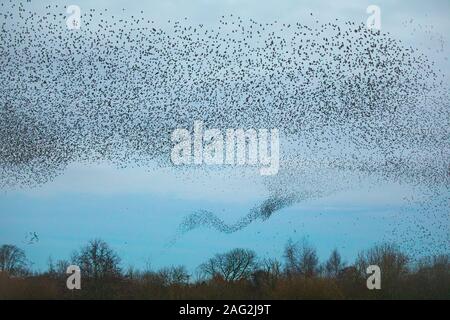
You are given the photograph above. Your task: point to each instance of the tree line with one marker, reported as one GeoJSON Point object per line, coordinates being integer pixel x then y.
{"type": "Point", "coordinates": [236, 274]}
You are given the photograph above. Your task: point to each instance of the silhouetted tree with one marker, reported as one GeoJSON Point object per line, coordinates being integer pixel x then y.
{"type": "Point", "coordinates": [301, 258]}
{"type": "Point", "coordinates": [61, 266]}
{"type": "Point", "coordinates": [334, 265]}
{"type": "Point", "coordinates": [430, 279]}
{"type": "Point", "coordinates": [57, 269]}
{"type": "Point", "coordinates": [393, 265]}
{"type": "Point", "coordinates": [233, 265]}
{"type": "Point", "coordinates": [12, 259]}
{"type": "Point", "coordinates": [97, 260]}
{"type": "Point", "coordinates": [392, 262]}
{"type": "Point", "coordinates": [439, 264]}
{"type": "Point", "coordinates": [272, 267]}
{"type": "Point", "coordinates": [270, 270]}
{"type": "Point", "coordinates": [174, 275]}
{"type": "Point", "coordinates": [132, 273]}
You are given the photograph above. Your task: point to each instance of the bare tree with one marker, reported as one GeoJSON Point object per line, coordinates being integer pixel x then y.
{"type": "Point", "coordinates": [269, 272]}
{"type": "Point", "coordinates": [301, 259]}
{"type": "Point", "coordinates": [132, 273]}
{"type": "Point", "coordinates": [290, 257]}
{"type": "Point", "coordinates": [57, 269]}
{"type": "Point", "coordinates": [97, 260]}
{"type": "Point", "coordinates": [233, 265]}
{"type": "Point", "coordinates": [61, 266]}
{"type": "Point", "coordinates": [272, 267]}
{"type": "Point", "coordinates": [12, 259]}
{"type": "Point", "coordinates": [174, 275]}
{"type": "Point", "coordinates": [334, 264]}
{"type": "Point", "coordinates": [392, 262]}
{"type": "Point", "coordinates": [438, 264]}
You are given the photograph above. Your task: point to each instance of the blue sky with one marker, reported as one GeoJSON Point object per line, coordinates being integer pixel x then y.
{"type": "Point", "coordinates": [138, 210]}
{"type": "Point", "coordinates": [140, 226]}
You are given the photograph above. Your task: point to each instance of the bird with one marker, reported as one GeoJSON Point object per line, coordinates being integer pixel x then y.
{"type": "Point", "coordinates": [351, 103]}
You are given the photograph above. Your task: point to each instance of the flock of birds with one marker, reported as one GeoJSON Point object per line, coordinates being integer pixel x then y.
{"type": "Point", "coordinates": [351, 103]}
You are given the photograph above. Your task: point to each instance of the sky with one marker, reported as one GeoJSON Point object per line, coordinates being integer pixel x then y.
{"type": "Point", "coordinates": [138, 210]}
